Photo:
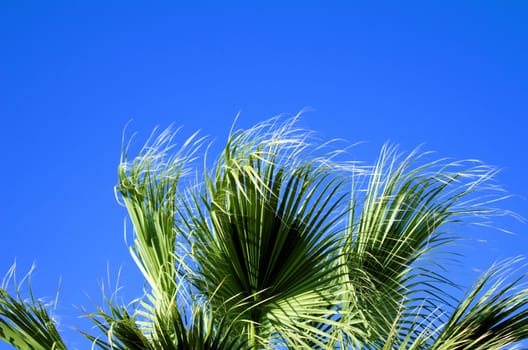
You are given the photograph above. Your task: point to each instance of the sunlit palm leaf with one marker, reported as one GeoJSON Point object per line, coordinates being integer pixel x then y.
{"type": "Point", "coordinates": [493, 314]}
{"type": "Point", "coordinates": [403, 220]}
{"type": "Point", "coordinates": [26, 323]}
{"type": "Point", "coordinates": [265, 228]}
{"type": "Point", "coordinates": [181, 327]}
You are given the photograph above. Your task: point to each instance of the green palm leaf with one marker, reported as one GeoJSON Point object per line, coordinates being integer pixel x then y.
{"type": "Point", "coordinates": [404, 221]}
{"type": "Point", "coordinates": [493, 314]}
{"type": "Point", "coordinates": [264, 229]}
{"type": "Point", "coordinates": [26, 323]}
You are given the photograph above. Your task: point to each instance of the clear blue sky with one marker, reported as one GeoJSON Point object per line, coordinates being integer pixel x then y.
{"type": "Point", "coordinates": [450, 74]}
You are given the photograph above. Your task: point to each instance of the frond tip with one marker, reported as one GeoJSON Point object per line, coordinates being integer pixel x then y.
{"type": "Point", "coordinates": [26, 323]}
{"type": "Point", "coordinates": [493, 314]}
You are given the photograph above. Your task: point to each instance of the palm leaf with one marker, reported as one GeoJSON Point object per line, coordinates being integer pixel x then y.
{"type": "Point", "coordinates": [492, 315]}
{"type": "Point", "coordinates": [26, 323]}
{"type": "Point", "coordinates": [393, 244]}
{"type": "Point", "coordinates": [265, 228]}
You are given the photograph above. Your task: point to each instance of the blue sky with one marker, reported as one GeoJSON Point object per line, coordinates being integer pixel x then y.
{"type": "Point", "coordinates": [451, 75]}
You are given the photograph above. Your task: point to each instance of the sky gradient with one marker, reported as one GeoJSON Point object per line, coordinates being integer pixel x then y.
{"type": "Point", "coordinates": [448, 75]}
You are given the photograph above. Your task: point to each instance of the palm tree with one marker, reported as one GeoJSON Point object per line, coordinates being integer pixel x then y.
{"type": "Point", "coordinates": [280, 244]}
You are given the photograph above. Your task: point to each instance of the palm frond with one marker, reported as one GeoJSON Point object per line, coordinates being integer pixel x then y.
{"type": "Point", "coordinates": [405, 217]}
{"type": "Point", "coordinates": [182, 327]}
{"type": "Point", "coordinates": [26, 323]}
{"type": "Point", "coordinates": [149, 187]}
{"type": "Point", "coordinates": [264, 227]}
{"type": "Point", "coordinates": [493, 314]}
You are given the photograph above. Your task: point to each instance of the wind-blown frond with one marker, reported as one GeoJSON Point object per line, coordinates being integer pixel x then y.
{"type": "Point", "coordinates": [397, 229]}
{"type": "Point", "coordinates": [264, 227]}
{"type": "Point", "coordinates": [149, 186]}
{"type": "Point", "coordinates": [26, 323]}
{"type": "Point", "coordinates": [492, 315]}
{"type": "Point", "coordinates": [184, 326]}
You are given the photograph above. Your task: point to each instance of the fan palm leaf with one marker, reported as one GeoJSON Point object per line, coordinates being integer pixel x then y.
{"type": "Point", "coordinates": [403, 220]}
{"type": "Point", "coordinates": [264, 228]}
{"type": "Point", "coordinates": [26, 323]}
